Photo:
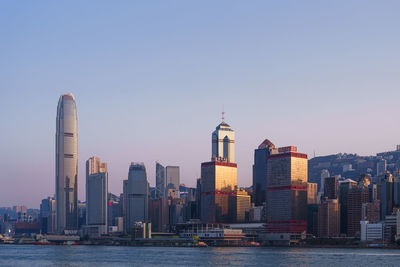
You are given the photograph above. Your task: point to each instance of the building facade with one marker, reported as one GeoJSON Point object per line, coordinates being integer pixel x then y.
{"type": "Point", "coordinates": [160, 180]}
{"type": "Point", "coordinates": [219, 178]}
{"type": "Point", "coordinates": [66, 165]}
{"type": "Point", "coordinates": [172, 181]}
{"type": "Point", "coordinates": [136, 196]}
{"type": "Point", "coordinates": [261, 155]}
{"type": "Point", "coordinates": [287, 192]}
{"type": "Point", "coordinates": [96, 197]}
{"type": "Point", "coordinates": [329, 218]}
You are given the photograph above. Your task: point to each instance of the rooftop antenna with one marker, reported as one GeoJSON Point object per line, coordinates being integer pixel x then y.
{"type": "Point", "coordinates": [223, 114]}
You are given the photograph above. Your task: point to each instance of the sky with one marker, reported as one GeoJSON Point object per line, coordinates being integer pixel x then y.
{"type": "Point", "coordinates": [151, 78]}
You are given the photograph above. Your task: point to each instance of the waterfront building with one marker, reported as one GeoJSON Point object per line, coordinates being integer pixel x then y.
{"type": "Point", "coordinates": [240, 205]}
{"type": "Point", "coordinates": [330, 187]}
{"type": "Point", "coordinates": [344, 188]}
{"type": "Point", "coordinates": [312, 191]}
{"type": "Point", "coordinates": [96, 197]}
{"type": "Point", "coordinates": [287, 194]}
{"type": "Point", "coordinates": [371, 231]}
{"type": "Point", "coordinates": [48, 215]}
{"type": "Point", "coordinates": [114, 210]}
{"type": "Point", "coordinates": [356, 197]}
{"type": "Point", "coordinates": [219, 177]}
{"type": "Point", "coordinates": [312, 219]}
{"type": "Point", "coordinates": [160, 180]}
{"type": "Point", "coordinates": [66, 165]}
{"type": "Point", "coordinates": [136, 196]}
{"type": "Point", "coordinates": [329, 218]}
{"type": "Point", "coordinates": [172, 181]}
{"type": "Point", "coordinates": [124, 200]}
{"type": "Point", "coordinates": [159, 214]}
{"type": "Point", "coordinates": [261, 154]}
{"type": "Point", "coordinates": [390, 226]}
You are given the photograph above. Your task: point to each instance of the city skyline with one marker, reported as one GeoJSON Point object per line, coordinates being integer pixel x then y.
{"type": "Point", "coordinates": [156, 92]}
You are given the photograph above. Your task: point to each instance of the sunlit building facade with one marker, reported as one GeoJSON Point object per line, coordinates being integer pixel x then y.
{"type": "Point", "coordinates": [66, 165]}
{"type": "Point", "coordinates": [219, 178]}
{"type": "Point", "coordinates": [287, 192]}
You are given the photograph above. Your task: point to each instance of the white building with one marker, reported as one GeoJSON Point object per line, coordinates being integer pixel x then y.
{"type": "Point", "coordinates": [66, 165]}
{"type": "Point", "coordinates": [371, 231]}
{"type": "Point", "coordinates": [223, 143]}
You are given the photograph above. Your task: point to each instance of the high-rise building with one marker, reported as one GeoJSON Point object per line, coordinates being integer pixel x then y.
{"type": "Point", "coordinates": [330, 187]}
{"type": "Point", "coordinates": [371, 211]}
{"type": "Point", "coordinates": [160, 180]}
{"type": "Point", "coordinates": [324, 174]}
{"type": "Point", "coordinates": [312, 189]}
{"type": "Point", "coordinates": [159, 214]}
{"type": "Point", "coordinates": [137, 196]}
{"type": "Point", "coordinates": [329, 218]}
{"type": "Point", "coordinates": [355, 198]}
{"type": "Point", "coordinates": [344, 189]}
{"type": "Point", "coordinates": [219, 177]}
{"type": "Point", "coordinates": [381, 167]}
{"type": "Point", "coordinates": [287, 193]}
{"type": "Point", "coordinates": [240, 206]}
{"type": "Point", "coordinates": [385, 194]}
{"type": "Point", "coordinates": [96, 197]}
{"type": "Point", "coordinates": [48, 215]}
{"type": "Point", "coordinates": [67, 165]}
{"type": "Point", "coordinates": [223, 143]}
{"type": "Point", "coordinates": [261, 154]}
{"type": "Point", "coordinates": [172, 181]}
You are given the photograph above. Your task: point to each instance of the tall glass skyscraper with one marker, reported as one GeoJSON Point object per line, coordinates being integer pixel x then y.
{"type": "Point", "coordinates": [137, 196]}
{"type": "Point", "coordinates": [160, 180]}
{"type": "Point", "coordinates": [67, 165]}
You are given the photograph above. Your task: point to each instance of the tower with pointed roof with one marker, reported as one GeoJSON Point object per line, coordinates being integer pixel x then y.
{"type": "Point", "coordinates": [223, 142]}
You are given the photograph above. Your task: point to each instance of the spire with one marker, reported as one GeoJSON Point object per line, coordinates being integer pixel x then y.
{"type": "Point", "coordinates": [223, 114]}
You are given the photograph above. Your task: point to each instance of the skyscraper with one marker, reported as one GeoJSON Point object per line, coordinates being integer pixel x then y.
{"type": "Point", "coordinates": [172, 181]}
{"type": "Point", "coordinates": [66, 165]}
{"type": "Point", "coordinates": [330, 187]}
{"type": "Point", "coordinates": [287, 194]}
{"type": "Point", "coordinates": [261, 155]}
{"type": "Point", "coordinates": [223, 143]}
{"type": "Point", "coordinates": [219, 177]}
{"type": "Point", "coordinates": [160, 180]}
{"type": "Point", "coordinates": [329, 218]}
{"type": "Point", "coordinates": [96, 196]}
{"type": "Point", "coordinates": [137, 192]}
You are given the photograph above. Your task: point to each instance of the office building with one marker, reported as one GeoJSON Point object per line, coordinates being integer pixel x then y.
{"type": "Point", "coordinates": [48, 215]}
{"type": "Point", "coordinates": [385, 194]}
{"type": "Point", "coordinates": [371, 231]}
{"type": "Point", "coordinates": [356, 197]}
{"type": "Point", "coordinates": [96, 197]}
{"type": "Point", "coordinates": [261, 154]}
{"type": "Point", "coordinates": [240, 206]}
{"type": "Point", "coordinates": [344, 189]}
{"type": "Point", "coordinates": [287, 193]}
{"type": "Point", "coordinates": [312, 191]}
{"type": "Point", "coordinates": [371, 211]}
{"type": "Point", "coordinates": [381, 167]}
{"type": "Point", "coordinates": [160, 181]}
{"type": "Point", "coordinates": [219, 177]}
{"type": "Point", "coordinates": [136, 196]}
{"type": "Point", "coordinates": [330, 187]}
{"type": "Point", "coordinates": [67, 165]}
{"type": "Point", "coordinates": [172, 181]}
{"type": "Point", "coordinates": [329, 218]}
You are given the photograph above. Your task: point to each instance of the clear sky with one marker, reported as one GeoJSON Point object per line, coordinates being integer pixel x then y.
{"type": "Point", "coordinates": [150, 79]}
